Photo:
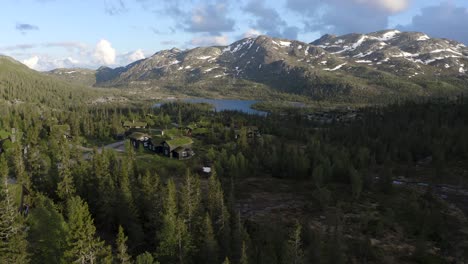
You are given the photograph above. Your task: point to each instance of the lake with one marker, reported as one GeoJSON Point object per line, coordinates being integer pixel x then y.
{"type": "Point", "coordinates": [226, 104]}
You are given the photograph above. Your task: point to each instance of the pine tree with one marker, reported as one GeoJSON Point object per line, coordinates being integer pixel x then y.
{"type": "Point", "coordinates": [233, 169]}
{"type": "Point", "coordinates": [241, 164]}
{"type": "Point", "coordinates": [65, 187]}
{"type": "Point", "coordinates": [191, 201]}
{"type": "Point", "coordinates": [215, 195]}
{"type": "Point", "coordinates": [82, 244]}
{"type": "Point", "coordinates": [104, 199]}
{"type": "Point", "coordinates": [226, 261]}
{"type": "Point", "coordinates": [243, 139]}
{"type": "Point", "coordinates": [294, 247]}
{"type": "Point", "coordinates": [47, 232]}
{"type": "Point", "coordinates": [127, 213]}
{"type": "Point", "coordinates": [244, 257]}
{"type": "Point", "coordinates": [122, 255]}
{"type": "Point", "coordinates": [19, 168]}
{"type": "Point", "coordinates": [168, 244]}
{"type": "Point", "coordinates": [145, 258]}
{"type": "Point", "coordinates": [209, 252]}
{"type": "Point", "coordinates": [13, 244]}
{"type": "Point", "coordinates": [219, 212]}
{"type": "Point", "coordinates": [175, 242]}
{"type": "Point", "coordinates": [150, 206]}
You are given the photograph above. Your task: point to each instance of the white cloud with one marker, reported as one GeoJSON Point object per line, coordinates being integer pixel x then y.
{"type": "Point", "coordinates": [251, 33]}
{"type": "Point", "coordinates": [136, 55]}
{"type": "Point", "coordinates": [210, 41]}
{"type": "Point", "coordinates": [46, 63]}
{"type": "Point", "coordinates": [104, 53]}
{"type": "Point", "coordinates": [391, 6]}
{"type": "Point", "coordinates": [347, 16]}
{"type": "Point", "coordinates": [129, 57]}
{"type": "Point", "coordinates": [32, 62]}
{"type": "Point", "coordinates": [210, 18]}
{"type": "Point", "coordinates": [445, 20]}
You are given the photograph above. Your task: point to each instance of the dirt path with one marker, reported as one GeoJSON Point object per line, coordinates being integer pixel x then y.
{"type": "Point", "coordinates": [117, 146]}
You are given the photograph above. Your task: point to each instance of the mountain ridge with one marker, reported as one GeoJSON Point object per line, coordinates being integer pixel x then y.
{"type": "Point", "coordinates": [387, 62]}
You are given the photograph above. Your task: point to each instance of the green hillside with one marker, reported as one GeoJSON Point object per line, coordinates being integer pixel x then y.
{"type": "Point", "coordinates": [19, 84]}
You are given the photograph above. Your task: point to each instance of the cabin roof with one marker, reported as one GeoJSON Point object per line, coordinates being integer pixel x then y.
{"type": "Point", "coordinates": [178, 142]}
{"type": "Point", "coordinates": [134, 124]}
{"type": "Point", "coordinates": [138, 135]}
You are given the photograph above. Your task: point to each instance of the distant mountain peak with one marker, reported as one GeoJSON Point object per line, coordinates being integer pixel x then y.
{"type": "Point", "coordinates": [351, 63]}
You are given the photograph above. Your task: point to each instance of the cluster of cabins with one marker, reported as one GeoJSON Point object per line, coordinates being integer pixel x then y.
{"type": "Point", "coordinates": [175, 145]}
{"type": "Point", "coordinates": [155, 140]}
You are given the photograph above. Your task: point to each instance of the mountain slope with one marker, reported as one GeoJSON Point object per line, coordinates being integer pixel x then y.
{"type": "Point", "coordinates": [386, 49]}
{"type": "Point", "coordinates": [75, 75]}
{"type": "Point", "coordinates": [355, 66]}
{"type": "Point", "coordinates": [19, 84]}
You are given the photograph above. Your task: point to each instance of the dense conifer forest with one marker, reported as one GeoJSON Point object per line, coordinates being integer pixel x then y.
{"type": "Point", "coordinates": [387, 185]}
{"type": "Point", "coordinates": [367, 190]}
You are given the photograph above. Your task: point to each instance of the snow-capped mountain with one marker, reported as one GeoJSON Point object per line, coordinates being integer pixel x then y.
{"type": "Point", "coordinates": [385, 49]}
{"type": "Point", "coordinates": [384, 62]}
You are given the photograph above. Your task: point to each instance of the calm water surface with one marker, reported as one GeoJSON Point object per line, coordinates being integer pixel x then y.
{"type": "Point", "coordinates": [226, 104]}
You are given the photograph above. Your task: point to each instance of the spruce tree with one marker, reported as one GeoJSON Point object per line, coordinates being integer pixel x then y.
{"type": "Point", "coordinates": [145, 258]}
{"type": "Point", "coordinates": [150, 206]}
{"type": "Point", "coordinates": [122, 255]}
{"type": "Point", "coordinates": [13, 244]}
{"type": "Point", "coordinates": [19, 167]}
{"type": "Point", "coordinates": [244, 257]}
{"type": "Point", "coordinates": [294, 245]}
{"type": "Point", "coordinates": [127, 212]}
{"type": "Point", "coordinates": [82, 244]}
{"type": "Point", "coordinates": [219, 212]}
{"type": "Point", "coordinates": [65, 187]}
{"type": "Point", "coordinates": [47, 232]}
{"type": "Point", "coordinates": [191, 202]}
{"type": "Point", "coordinates": [176, 242]}
{"type": "Point", "coordinates": [168, 244]}
{"type": "Point", "coordinates": [209, 251]}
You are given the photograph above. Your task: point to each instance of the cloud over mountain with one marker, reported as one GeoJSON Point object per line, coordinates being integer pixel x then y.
{"type": "Point", "coordinates": [445, 20]}
{"type": "Point", "coordinates": [269, 20]}
{"type": "Point", "coordinates": [104, 53]}
{"type": "Point", "coordinates": [210, 18]}
{"type": "Point", "coordinates": [346, 16]}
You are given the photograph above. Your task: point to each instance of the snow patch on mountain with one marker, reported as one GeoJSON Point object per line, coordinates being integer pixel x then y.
{"type": "Point", "coordinates": [285, 43]}
{"type": "Point", "coordinates": [388, 36]}
{"type": "Point", "coordinates": [336, 68]}
{"type": "Point", "coordinates": [423, 38]}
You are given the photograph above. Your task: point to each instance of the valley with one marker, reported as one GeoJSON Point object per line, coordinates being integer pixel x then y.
{"type": "Point", "coordinates": [349, 149]}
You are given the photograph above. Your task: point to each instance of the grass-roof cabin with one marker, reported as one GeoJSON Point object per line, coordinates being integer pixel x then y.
{"type": "Point", "coordinates": [133, 124]}
{"type": "Point", "coordinates": [138, 138]}
{"type": "Point", "coordinates": [180, 148]}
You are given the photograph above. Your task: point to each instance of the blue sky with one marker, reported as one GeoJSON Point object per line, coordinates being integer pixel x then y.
{"type": "Point", "coordinates": [46, 34]}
